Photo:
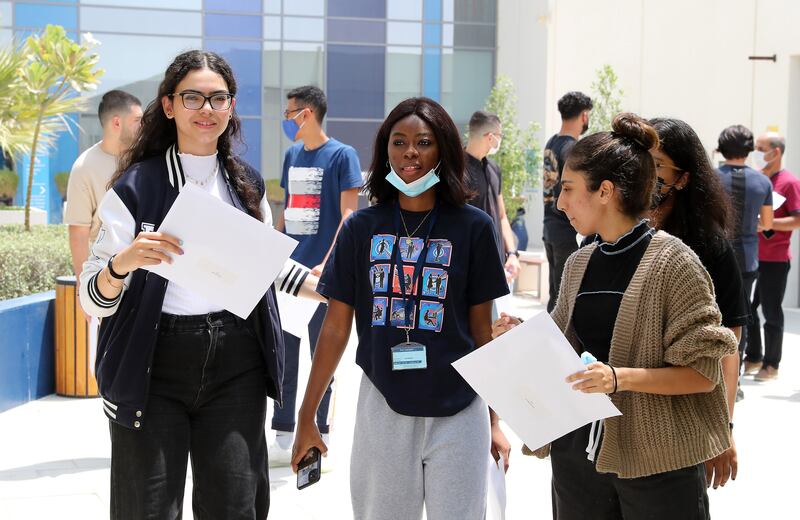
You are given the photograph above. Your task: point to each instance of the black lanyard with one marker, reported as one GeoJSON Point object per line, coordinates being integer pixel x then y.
{"type": "Point", "coordinates": [409, 299]}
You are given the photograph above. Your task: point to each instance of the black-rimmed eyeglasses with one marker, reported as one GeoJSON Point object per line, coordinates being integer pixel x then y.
{"type": "Point", "coordinates": [195, 100]}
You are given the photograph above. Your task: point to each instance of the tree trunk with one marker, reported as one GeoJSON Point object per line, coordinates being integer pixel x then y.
{"type": "Point", "coordinates": [31, 169]}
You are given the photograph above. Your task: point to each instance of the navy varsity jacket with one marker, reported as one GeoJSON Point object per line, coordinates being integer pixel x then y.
{"type": "Point", "coordinates": [139, 201]}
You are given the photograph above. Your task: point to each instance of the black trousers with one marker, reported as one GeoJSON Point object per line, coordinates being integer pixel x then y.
{"type": "Point", "coordinates": [770, 288]}
{"type": "Point", "coordinates": [557, 253]}
{"type": "Point", "coordinates": [579, 492]}
{"type": "Point", "coordinates": [208, 402]}
{"type": "Point", "coordinates": [748, 280]}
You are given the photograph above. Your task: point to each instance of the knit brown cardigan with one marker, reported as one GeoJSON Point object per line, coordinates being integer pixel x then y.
{"type": "Point", "coordinates": [668, 317]}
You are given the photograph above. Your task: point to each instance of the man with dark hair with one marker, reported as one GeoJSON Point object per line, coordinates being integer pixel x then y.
{"type": "Point", "coordinates": [486, 180]}
{"type": "Point", "coordinates": [773, 260]}
{"type": "Point", "coordinates": [751, 195]}
{"type": "Point", "coordinates": [322, 178]}
{"type": "Point", "coordinates": [120, 115]}
{"type": "Point", "coordinates": [559, 235]}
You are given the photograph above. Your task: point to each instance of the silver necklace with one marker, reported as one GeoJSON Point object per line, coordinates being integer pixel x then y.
{"type": "Point", "coordinates": [202, 183]}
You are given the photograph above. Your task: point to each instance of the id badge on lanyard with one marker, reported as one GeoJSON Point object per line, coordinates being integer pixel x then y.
{"type": "Point", "coordinates": [410, 355]}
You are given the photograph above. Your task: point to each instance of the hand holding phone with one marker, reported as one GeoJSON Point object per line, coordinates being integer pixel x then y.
{"type": "Point", "coordinates": [309, 469]}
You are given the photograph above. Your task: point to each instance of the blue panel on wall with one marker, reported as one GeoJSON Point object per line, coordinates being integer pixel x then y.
{"type": "Point", "coordinates": [232, 25]}
{"type": "Point", "coordinates": [245, 59]}
{"type": "Point", "coordinates": [234, 6]}
{"type": "Point", "coordinates": [355, 80]}
{"type": "Point", "coordinates": [62, 156]}
{"type": "Point", "coordinates": [360, 135]}
{"type": "Point", "coordinates": [34, 15]}
{"type": "Point", "coordinates": [356, 31]}
{"type": "Point", "coordinates": [357, 8]}
{"type": "Point", "coordinates": [432, 34]}
{"type": "Point", "coordinates": [433, 10]}
{"type": "Point", "coordinates": [27, 352]}
{"type": "Point", "coordinates": [432, 73]}
{"type": "Point", "coordinates": [251, 134]}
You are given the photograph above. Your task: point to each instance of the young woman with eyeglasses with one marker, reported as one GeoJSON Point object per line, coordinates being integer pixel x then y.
{"type": "Point", "coordinates": [181, 377]}
{"type": "Point", "coordinates": [641, 303]}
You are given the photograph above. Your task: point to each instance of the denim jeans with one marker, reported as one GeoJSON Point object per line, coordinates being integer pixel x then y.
{"type": "Point", "coordinates": [770, 288]}
{"type": "Point", "coordinates": [207, 401]}
{"type": "Point", "coordinates": [283, 419]}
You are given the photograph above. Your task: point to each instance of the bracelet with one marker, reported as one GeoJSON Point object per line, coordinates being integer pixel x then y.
{"type": "Point", "coordinates": [614, 372]}
{"type": "Point", "coordinates": [515, 253]}
{"type": "Point", "coordinates": [730, 425]}
{"type": "Point", "coordinates": [111, 271]}
{"type": "Point", "coordinates": [108, 280]}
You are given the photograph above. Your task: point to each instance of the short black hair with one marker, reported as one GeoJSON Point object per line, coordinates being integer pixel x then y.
{"type": "Point", "coordinates": [735, 142]}
{"type": "Point", "coordinates": [573, 103]}
{"type": "Point", "coordinates": [452, 187]}
{"type": "Point", "coordinates": [115, 101]}
{"type": "Point", "coordinates": [309, 95]}
{"type": "Point", "coordinates": [482, 120]}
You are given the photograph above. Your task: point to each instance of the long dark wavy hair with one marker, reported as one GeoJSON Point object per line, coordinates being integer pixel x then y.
{"type": "Point", "coordinates": [158, 132]}
{"type": "Point", "coordinates": [452, 187]}
{"type": "Point", "coordinates": [701, 214]}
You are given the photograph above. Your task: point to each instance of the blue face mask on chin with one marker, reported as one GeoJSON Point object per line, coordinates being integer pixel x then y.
{"type": "Point", "coordinates": [290, 127]}
{"type": "Point", "coordinates": [414, 188]}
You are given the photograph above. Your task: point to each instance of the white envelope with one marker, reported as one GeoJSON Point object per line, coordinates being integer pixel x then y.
{"type": "Point", "coordinates": [521, 375]}
{"type": "Point", "coordinates": [229, 257]}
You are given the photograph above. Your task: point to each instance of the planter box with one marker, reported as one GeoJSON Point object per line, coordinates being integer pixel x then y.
{"type": "Point", "coordinates": [17, 216]}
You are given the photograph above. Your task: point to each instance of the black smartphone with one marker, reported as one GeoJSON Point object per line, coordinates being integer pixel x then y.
{"type": "Point", "coordinates": [309, 469]}
{"type": "Point", "coordinates": [768, 233]}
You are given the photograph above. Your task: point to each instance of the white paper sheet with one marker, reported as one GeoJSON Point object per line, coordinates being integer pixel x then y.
{"type": "Point", "coordinates": [496, 496]}
{"type": "Point", "coordinates": [295, 313]}
{"type": "Point", "coordinates": [521, 376]}
{"type": "Point", "coordinates": [777, 200]}
{"type": "Point", "coordinates": [229, 257]}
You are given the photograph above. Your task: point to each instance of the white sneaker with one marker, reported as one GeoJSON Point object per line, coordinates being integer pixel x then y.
{"type": "Point", "coordinates": [279, 457]}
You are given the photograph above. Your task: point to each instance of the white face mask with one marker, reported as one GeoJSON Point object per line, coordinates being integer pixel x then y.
{"type": "Point", "coordinates": [495, 148]}
{"type": "Point", "coordinates": [759, 161]}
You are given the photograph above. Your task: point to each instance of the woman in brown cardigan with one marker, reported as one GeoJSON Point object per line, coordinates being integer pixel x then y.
{"type": "Point", "coordinates": [641, 303]}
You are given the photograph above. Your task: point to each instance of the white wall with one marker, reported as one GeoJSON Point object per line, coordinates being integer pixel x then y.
{"type": "Point", "coordinates": [678, 58]}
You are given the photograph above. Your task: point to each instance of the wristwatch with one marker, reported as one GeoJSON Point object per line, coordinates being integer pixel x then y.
{"type": "Point", "coordinates": [514, 252]}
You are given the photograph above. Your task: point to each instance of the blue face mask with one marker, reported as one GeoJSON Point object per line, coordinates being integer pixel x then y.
{"type": "Point", "coordinates": [415, 188]}
{"type": "Point", "coordinates": [290, 127]}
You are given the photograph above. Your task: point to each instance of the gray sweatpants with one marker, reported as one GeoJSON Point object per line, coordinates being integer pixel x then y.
{"type": "Point", "coordinates": [399, 462]}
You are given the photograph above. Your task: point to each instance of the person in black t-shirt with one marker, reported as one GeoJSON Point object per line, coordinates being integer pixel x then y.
{"type": "Point", "coordinates": [559, 235]}
{"type": "Point", "coordinates": [486, 180]}
{"type": "Point", "coordinates": [421, 431]}
{"type": "Point", "coordinates": [691, 203]}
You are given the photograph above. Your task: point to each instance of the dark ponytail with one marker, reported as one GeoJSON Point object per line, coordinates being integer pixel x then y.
{"type": "Point", "coordinates": [158, 132]}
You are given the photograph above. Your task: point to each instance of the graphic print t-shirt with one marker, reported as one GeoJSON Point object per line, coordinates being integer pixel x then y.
{"type": "Point", "coordinates": [556, 223]}
{"type": "Point", "coordinates": [313, 181]}
{"type": "Point", "coordinates": [460, 267]}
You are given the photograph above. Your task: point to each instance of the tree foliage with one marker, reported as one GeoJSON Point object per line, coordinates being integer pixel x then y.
{"type": "Point", "coordinates": [607, 99]}
{"type": "Point", "coordinates": [519, 157]}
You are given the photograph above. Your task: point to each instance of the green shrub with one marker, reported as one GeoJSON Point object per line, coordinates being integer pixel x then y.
{"type": "Point", "coordinates": [8, 184]}
{"type": "Point", "coordinates": [61, 180]}
{"type": "Point", "coordinates": [30, 261]}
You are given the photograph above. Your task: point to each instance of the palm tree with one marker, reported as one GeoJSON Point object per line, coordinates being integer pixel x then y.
{"type": "Point", "coordinates": [16, 133]}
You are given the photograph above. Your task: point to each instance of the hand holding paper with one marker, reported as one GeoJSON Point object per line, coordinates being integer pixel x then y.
{"type": "Point", "coordinates": [522, 374]}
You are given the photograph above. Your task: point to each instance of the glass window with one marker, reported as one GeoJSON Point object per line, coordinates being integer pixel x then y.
{"type": "Point", "coordinates": [271, 101]}
{"type": "Point", "coordinates": [476, 11]}
{"type": "Point", "coordinates": [474, 36]}
{"type": "Point", "coordinates": [36, 15]}
{"type": "Point", "coordinates": [245, 60]}
{"type": "Point", "coordinates": [304, 7]}
{"type": "Point", "coordinates": [272, 27]}
{"type": "Point", "coordinates": [403, 75]}
{"type": "Point", "coordinates": [404, 9]}
{"type": "Point", "coordinates": [179, 23]}
{"type": "Point", "coordinates": [467, 78]}
{"type": "Point", "coordinates": [272, 6]}
{"type": "Point", "coordinates": [357, 8]}
{"type": "Point", "coordinates": [355, 81]}
{"type": "Point", "coordinates": [251, 148]}
{"type": "Point", "coordinates": [233, 25]}
{"type": "Point", "coordinates": [271, 148]}
{"type": "Point", "coordinates": [234, 6]}
{"type": "Point", "coordinates": [5, 14]}
{"type": "Point", "coordinates": [6, 37]}
{"type": "Point", "coordinates": [173, 4]}
{"type": "Point", "coordinates": [448, 10]}
{"type": "Point", "coordinates": [433, 10]}
{"type": "Point", "coordinates": [403, 33]}
{"type": "Point", "coordinates": [121, 57]}
{"type": "Point", "coordinates": [358, 134]}
{"type": "Point", "coordinates": [432, 34]}
{"type": "Point", "coordinates": [447, 34]}
{"type": "Point", "coordinates": [303, 29]}
{"type": "Point", "coordinates": [356, 31]}
{"type": "Point", "coordinates": [303, 64]}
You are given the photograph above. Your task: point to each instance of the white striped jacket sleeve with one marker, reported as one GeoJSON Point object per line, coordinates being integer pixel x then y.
{"type": "Point", "coordinates": [117, 231]}
{"type": "Point", "coordinates": [293, 273]}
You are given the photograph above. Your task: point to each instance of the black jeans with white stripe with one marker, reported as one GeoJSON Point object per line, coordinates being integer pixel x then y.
{"type": "Point", "coordinates": [207, 400]}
